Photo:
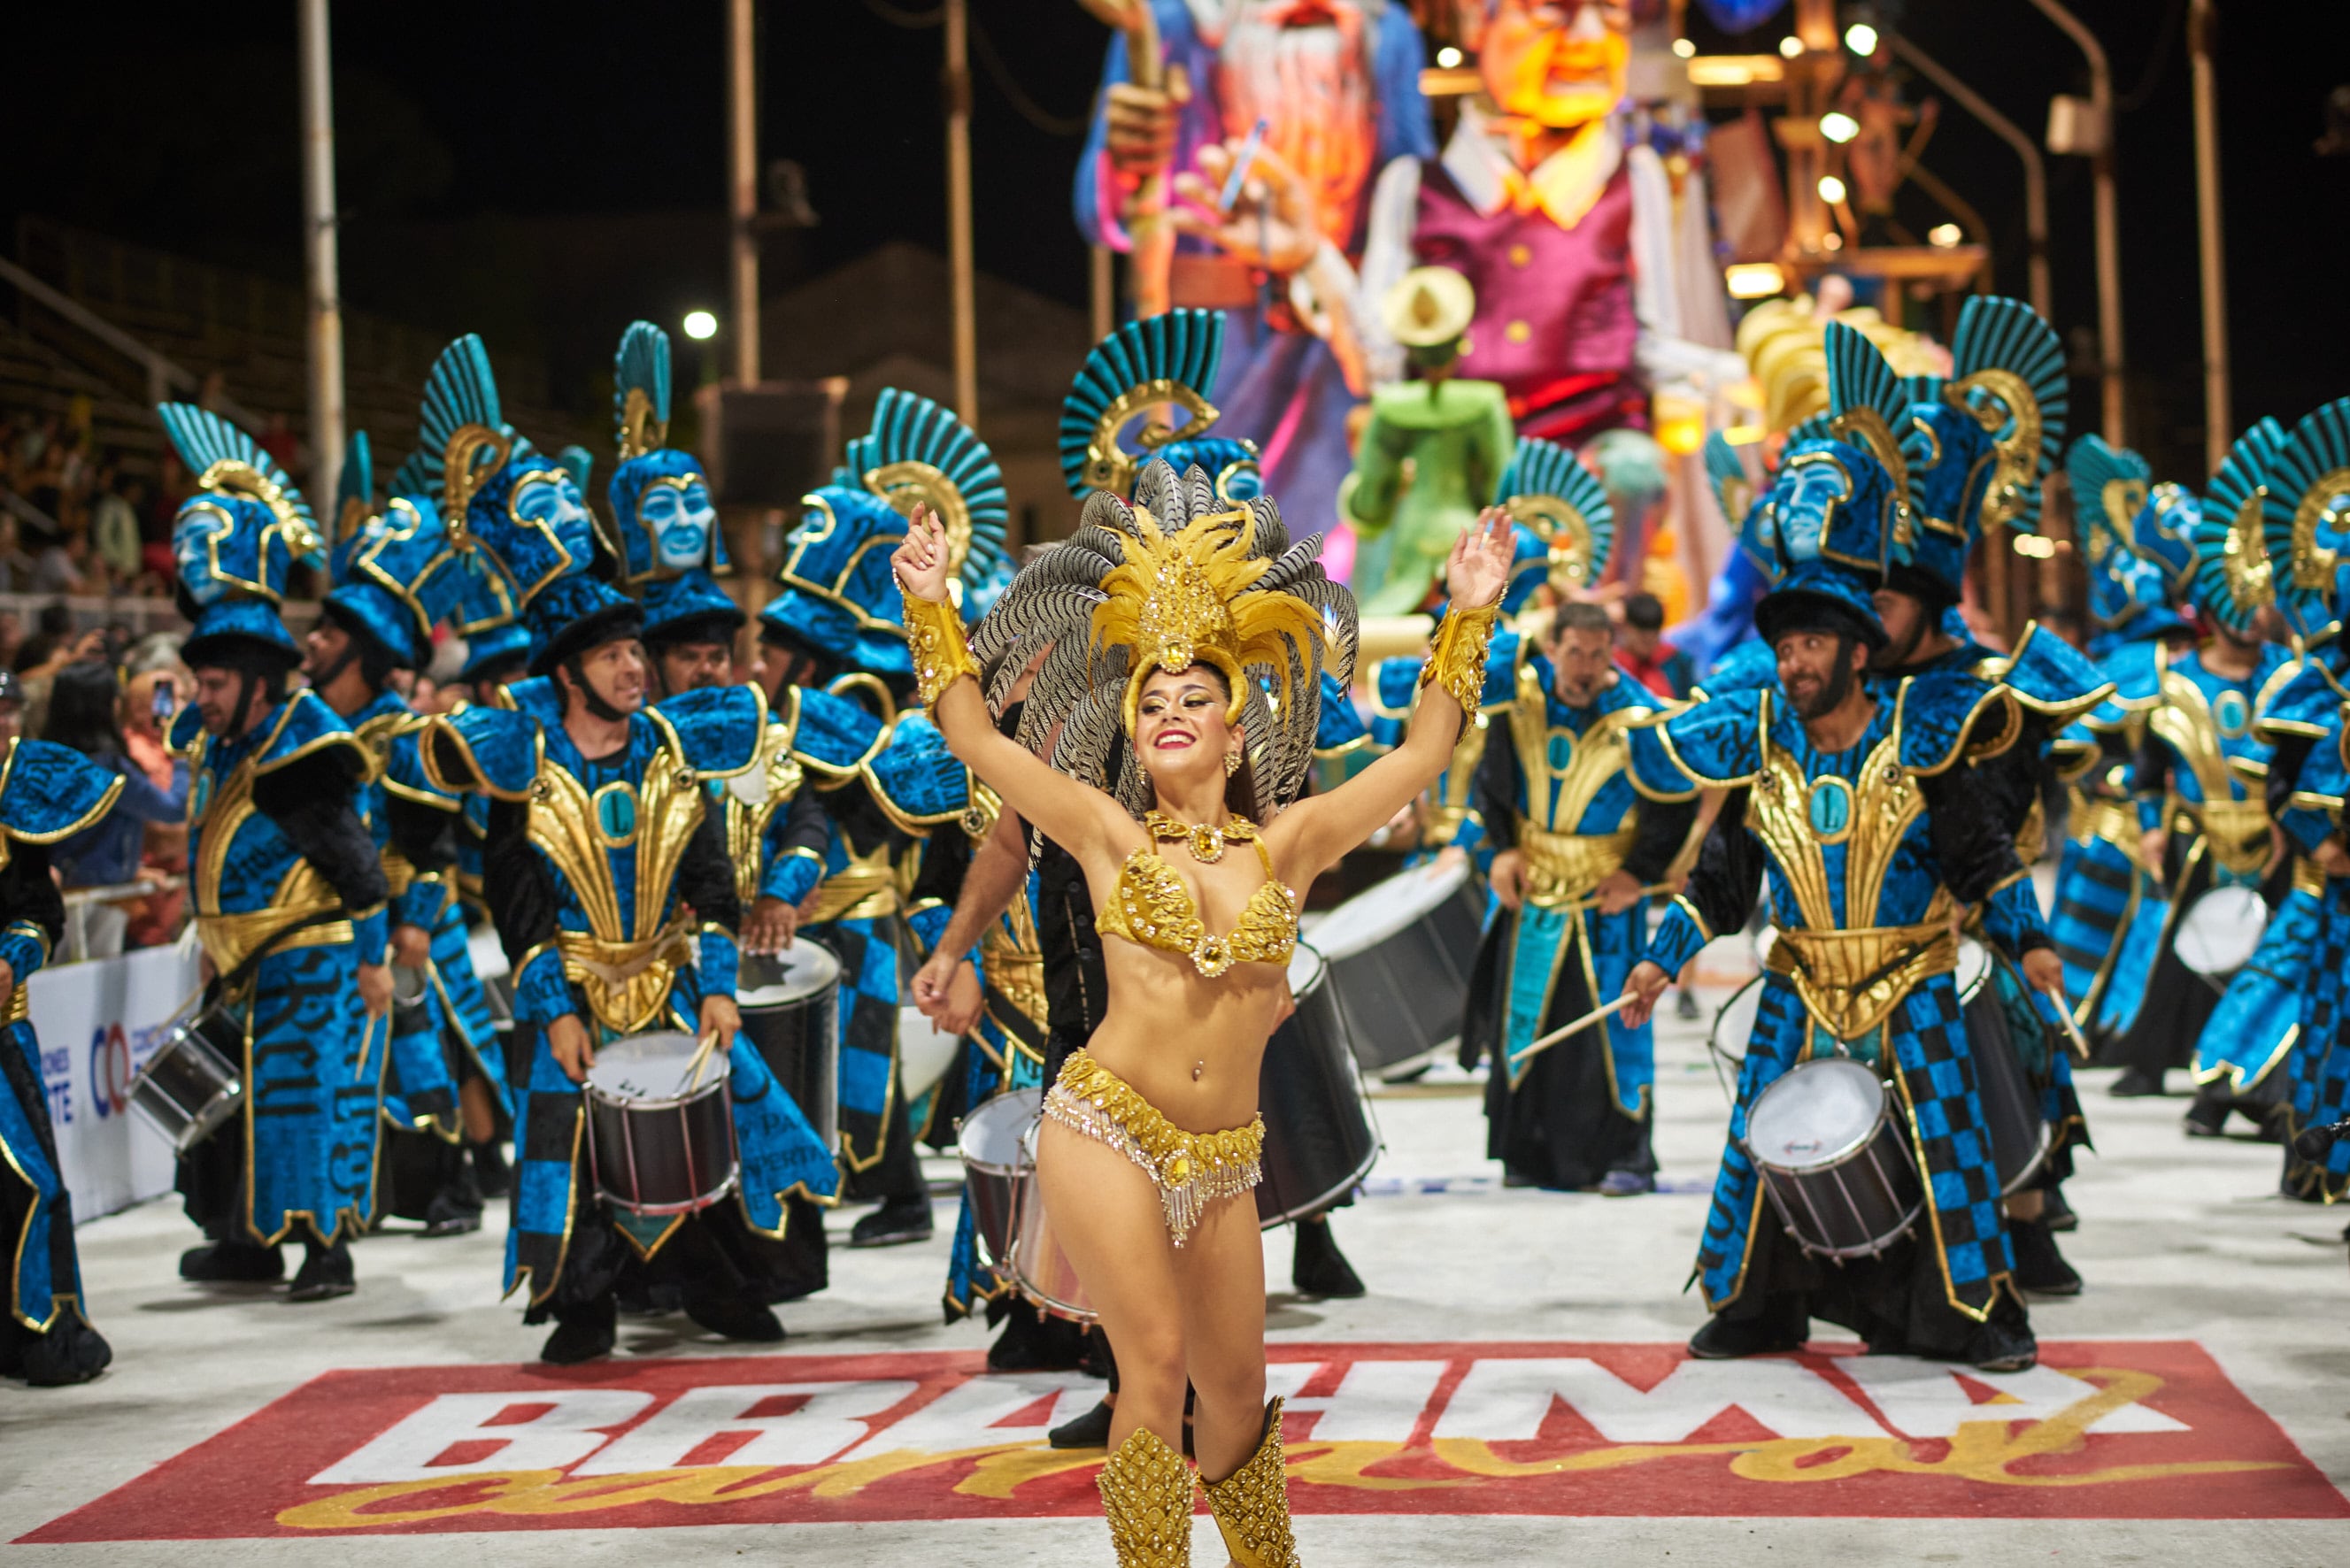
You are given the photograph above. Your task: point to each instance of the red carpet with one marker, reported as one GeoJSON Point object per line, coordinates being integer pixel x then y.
{"type": "Point", "coordinates": [2127, 1429]}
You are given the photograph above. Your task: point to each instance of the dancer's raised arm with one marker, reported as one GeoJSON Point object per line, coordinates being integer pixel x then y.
{"type": "Point", "coordinates": [1081, 819]}
{"type": "Point", "coordinates": [1313, 835]}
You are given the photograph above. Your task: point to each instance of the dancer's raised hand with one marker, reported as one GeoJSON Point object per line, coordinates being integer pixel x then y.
{"type": "Point", "coordinates": [921, 562]}
{"type": "Point", "coordinates": [1479, 568]}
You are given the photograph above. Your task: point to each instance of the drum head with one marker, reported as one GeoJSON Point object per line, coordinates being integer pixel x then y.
{"type": "Point", "coordinates": [1733, 1026]}
{"type": "Point", "coordinates": [1974, 967]}
{"type": "Point", "coordinates": [1374, 915]}
{"type": "Point", "coordinates": [1815, 1115]}
{"type": "Point", "coordinates": [489, 958]}
{"type": "Point", "coordinates": [925, 1051]}
{"type": "Point", "coordinates": [652, 1067]}
{"type": "Point", "coordinates": [2219, 934]}
{"type": "Point", "coordinates": [1305, 969]}
{"type": "Point", "coordinates": [804, 968]}
{"type": "Point", "coordinates": [991, 1136]}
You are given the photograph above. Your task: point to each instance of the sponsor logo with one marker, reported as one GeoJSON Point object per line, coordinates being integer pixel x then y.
{"type": "Point", "coordinates": [2097, 1430]}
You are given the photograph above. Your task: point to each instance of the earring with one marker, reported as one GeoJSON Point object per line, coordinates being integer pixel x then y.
{"type": "Point", "coordinates": [1231, 764]}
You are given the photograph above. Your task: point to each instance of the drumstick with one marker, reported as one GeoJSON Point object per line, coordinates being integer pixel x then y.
{"type": "Point", "coordinates": [2072, 1035]}
{"type": "Point", "coordinates": [700, 1060]}
{"type": "Point", "coordinates": [1580, 1024]}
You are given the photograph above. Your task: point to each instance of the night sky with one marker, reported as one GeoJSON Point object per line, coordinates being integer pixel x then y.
{"type": "Point", "coordinates": [175, 127]}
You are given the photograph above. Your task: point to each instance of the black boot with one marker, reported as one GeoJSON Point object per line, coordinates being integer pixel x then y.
{"type": "Point", "coordinates": [754, 1323]}
{"type": "Point", "coordinates": [70, 1351]}
{"type": "Point", "coordinates": [1033, 1341]}
{"type": "Point", "coordinates": [233, 1263]}
{"type": "Point", "coordinates": [2055, 1213]}
{"type": "Point", "coordinates": [1996, 1347]}
{"type": "Point", "coordinates": [456, 1209]}
{"type": "Point", "coordinates": [1090, 1430]}
{"type": "Point", "coordinates": [2039, 1268]}
{"type": "Point", "coordinates": [1316, 1267]}
{"type": "Point", "coordinates": [326, 1273]}
{"type": "Point", "coordinates": [2205, 1117]}
{"type": "Point", "coordinates": [490, 1169]}
{"type": "Point", "coordinates": [582, 1333]}
{"type": "Point", "coordinates": [1724, 1339]}
{"type": "Point", "coordinates": [2136, 1084]}
{"type": "Point", "coordinates": [896, 1223]}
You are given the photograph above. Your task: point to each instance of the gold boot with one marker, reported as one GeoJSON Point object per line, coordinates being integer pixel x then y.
{"type": "Point", "coordinates": [1145, 1491]}
{"type": "Point", "coordinates": [1252, 1505]}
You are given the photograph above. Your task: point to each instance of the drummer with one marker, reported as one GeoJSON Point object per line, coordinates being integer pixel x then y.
{"type": "Point", "coordinates": [289, 891]}
{"type": "Point", "coordinates": [2012, 366]}
{"type": "Point", "coordinates": [2202, 821]}
{"type": "Point", "coordinates": [582, 781]}
{"type": "Point", "coordinates": [1828, 770]}
{"type": "Point", "coordinates": [47, 792]}
{"type": "Point", "coordinates": [1579, 846]}
{"type": "Point", "coordinates": [444, 1084]}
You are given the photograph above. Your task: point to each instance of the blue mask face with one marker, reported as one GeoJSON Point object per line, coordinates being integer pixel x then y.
{"type": "Point", "coordinates": [548, 500]}
{"type": "Point", "coordinates": [1949, 448]}
{"type": "Point", "coordinates": [200, 536]}
{"type": "Point", "coordinates": [1812, 485]}
{"type": "Point", "coordinates": [226, 545]}
{"type": "Point", "coordinates": [679, 516]}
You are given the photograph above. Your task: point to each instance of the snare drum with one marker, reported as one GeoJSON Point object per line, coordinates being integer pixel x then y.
{"type": "Point", "coordinates": [1833, 1158]}
{"type": "Point", "coordinates": [995, 1164]}
{"type": "Point", "coordinates": [790, 1002]}
{"type": "Point", "coordinates": [925, 1051]}
{"type": "Point", "coordinates": [1734, 1025]}
{"type": "Point", "coordinates": [661, 1132]}
{"type": "Point", "coordinates": [1973, 970]}
{"type": "Point", "coordinates": [1318, 1139]}
{"type": "Point", "coordinates": [188, 1086]}
{"type": "Point", "coordinates": [2219, 932]}
{"type": "Point", "coordinates": [1039, 1267]}
{"type": "Point", "coordinates": [1399, 956]}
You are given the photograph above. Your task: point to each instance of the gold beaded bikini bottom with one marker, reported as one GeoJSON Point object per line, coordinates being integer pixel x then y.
{"type": "Point", "coordinates": [1192, 1169]}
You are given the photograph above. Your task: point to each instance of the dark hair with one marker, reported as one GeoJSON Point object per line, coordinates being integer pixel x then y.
{"type": "Point", "coordinates": [55, 620]}
{"type": "Point", "coordinates": [376, 661]}
{"type": "Point", "coordinates": [84, 710]}
{"type": "Point", "coordinates": [1644, 612]}
{"type": "Point", "coordinates": [1577, 615]}
{"type": "Point", "coordinates": [1241, 797]}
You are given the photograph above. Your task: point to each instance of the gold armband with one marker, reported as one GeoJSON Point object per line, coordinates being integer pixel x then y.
{"type": "Point", "coordinates": [1456, 661]}
{"type": "Point", "coordinates": [941, 653]}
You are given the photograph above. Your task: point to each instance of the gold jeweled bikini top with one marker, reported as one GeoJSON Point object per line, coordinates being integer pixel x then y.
{"type": "Point", "coordinates": [1154, 908]}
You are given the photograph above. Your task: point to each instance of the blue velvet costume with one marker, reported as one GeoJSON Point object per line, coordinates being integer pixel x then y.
{"type": "Point", "coordinates": [287, 891]}
{"type": "Point", "coordinates": [47, 792]}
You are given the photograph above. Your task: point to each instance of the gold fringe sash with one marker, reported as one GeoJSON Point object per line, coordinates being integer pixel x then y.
{"type": "Point", "coordinates": [1192, 1169]}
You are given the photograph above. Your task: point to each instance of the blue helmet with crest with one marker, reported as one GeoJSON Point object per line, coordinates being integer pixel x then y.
{"type": "Point", "coordinates": [2305, 522]}
{"type": "Point", "coordinates": [1168, 360]}
{"type": "Point", "coordinates": [235, 540]}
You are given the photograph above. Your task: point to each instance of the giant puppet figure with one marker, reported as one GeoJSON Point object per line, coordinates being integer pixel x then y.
{"type": "Point", "coordinates": [1335, 84]}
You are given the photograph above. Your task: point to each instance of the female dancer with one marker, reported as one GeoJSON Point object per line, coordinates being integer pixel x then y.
{"type": "Point", "coordinates": [1195, 608]}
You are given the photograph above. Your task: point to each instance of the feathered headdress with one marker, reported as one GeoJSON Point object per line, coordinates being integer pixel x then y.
{"type": "Point", "coordinates": [2234, 579]}
{"type": "Point", "coordinates": [1545, 490]}
{"type": "Point", "coordinates": [687, 537]}
{"type": "Point", "coordinates": [2008, 371]}
{"type": "Point", "coordinates": [2110, 485]}
{"type": "Point", "coordinates": [1178, 579]}
{"type": "Point", "coordinates": [2305, 521]}
{"type": "Point", "coordinates": [238, 538]}
{"type": "Point", "coordinates": [919, 451]}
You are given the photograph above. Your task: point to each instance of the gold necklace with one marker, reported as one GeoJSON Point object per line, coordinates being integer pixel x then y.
{"type": "Point", "coordinates": [1206, 839]}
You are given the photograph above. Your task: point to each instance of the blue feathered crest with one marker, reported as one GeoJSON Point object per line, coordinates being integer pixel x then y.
{"type": "Point", "coordinates": [223, 458]}
{"type": "Point", "coordinates": [2305, 521]}
{"type": "Point", "coordinates": [579, 463]}
{"type": "Point", "coordinates": [1733, 486]}
{"type": "Point", "coordinates": [2008, 371]}
{"type": "Point", "coordinates": [2163, 532]}
{"type": "Point", "coordinates": [2234, 578]}
{"type": "Point", "coordinates": [2110, 485]}
{"type": "Point", "coordinates": [461, 401]}
{"type": "Point", "coordinates": [239, 534]}
{"type": "Point", "coordinates": [1869, 405]}
{"type": "Point", "coordinates": [918, 450]}
{"type": "Point", "coordinates": [640, 391]}
{"type": "Point", "coordinates": [1167, 358]}
{"type": "Point", "coordinates": [354, 500]}
{"type": "Point", "coordinates": [1563, 502]}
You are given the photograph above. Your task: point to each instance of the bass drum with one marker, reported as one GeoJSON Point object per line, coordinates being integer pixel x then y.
{"type": "Point", "coordinates": [791, 1010]}
{"type": "Point", "coordinates": [2020, 1136]}
{"type": "Point", "coordinates": [1319, 1142]}
{"type": "Point", "coordinates": [1039, 1267]}
{"type": "Point", "coordinates": [1399, 956]}
{"type": "Point", "coordinates": [1734, 1027]}
{"type": "Point", "coordinates": [2220, 931]}
{"type": "Point", "coordinates": [925, 1051]}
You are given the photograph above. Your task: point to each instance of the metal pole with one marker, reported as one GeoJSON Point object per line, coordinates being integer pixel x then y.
{"type": "Point", "coordinates": [2035, 168]}
{"type": "Point", "coordinates": [742, 184]}
{"type": "Point", "coordinates": [320, 262]}
{"type": "Point", "coordinates": [1101, 293]}
{"type": "Point", "coordinates": [2109, 258]}
{"type": "Point", "coordinates": [2202, 20]}
{"type": "Point", "coordinates": [959, 258]}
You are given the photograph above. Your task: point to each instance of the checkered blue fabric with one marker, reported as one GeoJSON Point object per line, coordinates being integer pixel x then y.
{"type": "Point", "coordinates": [867, 951]}
{"type": "Point", "coordinates": [2094, 884]}
{"type": "Point", "coordinates": [2321, 1072]}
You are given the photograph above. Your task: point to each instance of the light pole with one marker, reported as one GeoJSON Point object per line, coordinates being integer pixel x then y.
{"type": "Point", "coordinates": [2202, 20]}
{"type": "Point", "coordinates": [2108, 225]}
{"type": "Point", "coordinates": [320, 263]}
{"type": "Point", "coordinates": [742, 184]}
{"type": "Point", "coordinates": [958, 254]}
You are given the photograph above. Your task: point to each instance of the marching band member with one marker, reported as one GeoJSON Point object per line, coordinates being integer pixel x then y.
{"type": "Point", "coordinates": [444, 1082]}
{"type": "Point", "coordinates": [2202, 819]}
{"type": "Point", "coordinates": [47, 793]}
{"type": "Point", "coordinates": [289, 892]}
{"type": "Point", "coordinates": [1200, 602]}
{"type": "Point", "coordinates": [1850, 807]}
{"type": "Point", "coordinates": [614, 900]}
{"type": "Point", "coordinates": [1579, 848]}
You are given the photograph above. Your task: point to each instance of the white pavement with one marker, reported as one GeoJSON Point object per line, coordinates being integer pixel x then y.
{"type": "Point", "coordinates": [2180, 1240]}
